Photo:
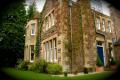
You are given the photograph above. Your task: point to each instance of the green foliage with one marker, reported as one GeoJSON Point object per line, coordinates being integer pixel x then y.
{"type": "Point", "coordinates": [23, 65]}
{"type": "Point", "coordinates": [99, 62]}
{"type": "Point", "coordinates": [112, 61]}
{"type": "Point", "coordinates": [31, 11]}
{"type": "Point", "coordinates": [54, 68]}
{"type": "Point", "coordinates": [38, 37]}
{"type": "Point", "coordinates": [37, 47]}
{"type": "Point", "coordinates": [38, 66]}
{"type": "Point", "coordinates": [12, 28]}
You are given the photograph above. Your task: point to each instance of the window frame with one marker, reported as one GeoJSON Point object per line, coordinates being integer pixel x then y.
{"type": "Point", "coordinates": [32, 29]}
{"type": "Point", "coordinates": [103, 25]}
{"type": "Point", "coordinates": [32, 60]}
{"type": "Point", "coordinates": [98, 25]}
{"type": "Point", "coordinates": [109, 26]}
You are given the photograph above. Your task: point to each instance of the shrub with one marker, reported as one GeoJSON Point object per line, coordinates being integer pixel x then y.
{"type": "Point", "coordinates": [99, 62]}
{"type": "Point", "coordinates": [38, 66]}
{"type": "Point", "coordinates": [54, 68]}
{"type": "Point", "coordinates": [85, 70]}
{"type": "Point", "coordinates": [112, 61]}
{"type": "Point", "coordinates": [23, 65]}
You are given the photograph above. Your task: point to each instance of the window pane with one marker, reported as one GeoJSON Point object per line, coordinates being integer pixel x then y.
{"type": "Point", "coordinates": [33, 29]}
{"type": "Point", "coordinates": [98, 23]}
{"type": "Point", "coordinates": [32, 52]}
{"type": "Point", "coordinates": [51, 57]}
{"type": "Point", "coordinates": [55, 50]}
{"type": "Point", "coordinates": [103, 24]}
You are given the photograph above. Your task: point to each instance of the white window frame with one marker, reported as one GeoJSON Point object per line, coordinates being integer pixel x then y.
{"type": "Point", "coordinates": [33, 33]}
{"type": "Point", "coordinates": [51, 51]}
{"type": "Point", "coordinates": [50, 48]}
{"type": "Point", "coordinates": [98, 23]}
{"type": "Point", "coordinates": [49, 21]}
{"type": "Point", "coordinates": [103, 24]}
{"type": "Point", "coordinates": [52, 18]}
{"type": "Point", "coordinates": [103, 46]}
{"type": "Point", "coordinates": [55, 49]}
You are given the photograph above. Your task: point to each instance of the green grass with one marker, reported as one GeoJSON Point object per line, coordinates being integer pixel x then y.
{"type": "Point", "coordinates": [29, 75]}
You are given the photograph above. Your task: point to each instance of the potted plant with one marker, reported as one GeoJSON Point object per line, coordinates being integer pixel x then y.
{"type": "Point", "coordinates": [65, 73]}
{"type": "Point", "coordinates": [85, 70]}
{"type": "Point", "coordinates": [99, 65]}
{"type": "Point", "coordinates": [113, 65]}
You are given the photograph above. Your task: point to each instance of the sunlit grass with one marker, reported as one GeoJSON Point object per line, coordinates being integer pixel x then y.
{"type": "Point", "coordinates": [29, 75]}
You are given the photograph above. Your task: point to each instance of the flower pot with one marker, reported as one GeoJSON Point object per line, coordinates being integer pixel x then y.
{"type": "Point", "coordinates": [113, 67]}
{"type": "Point", "coordinates": [65, 74]}
{"type": "Point", "coordinates": [85, 70]}
{"type": "Point", "coordinates": [99, 69]}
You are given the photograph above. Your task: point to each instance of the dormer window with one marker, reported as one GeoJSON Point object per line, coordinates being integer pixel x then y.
{"type": "Point", "coordinates": [33, 29]}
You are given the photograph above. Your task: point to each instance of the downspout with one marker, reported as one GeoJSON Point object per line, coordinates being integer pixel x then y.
{"type": "Point", "coordinates": [70, 13]}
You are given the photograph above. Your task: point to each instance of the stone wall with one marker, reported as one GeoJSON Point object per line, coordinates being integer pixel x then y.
{"type": "Point", "coordinates": [30, 39]}
{"type": "Point", "coordinates": [116, 19]}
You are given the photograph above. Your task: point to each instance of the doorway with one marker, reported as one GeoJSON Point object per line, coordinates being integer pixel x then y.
{"type": "Point", "coordinates": [100, 51]}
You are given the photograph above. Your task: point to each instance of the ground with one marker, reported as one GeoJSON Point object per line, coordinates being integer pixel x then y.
{"type": "Point", "coordinates": [29, 75]}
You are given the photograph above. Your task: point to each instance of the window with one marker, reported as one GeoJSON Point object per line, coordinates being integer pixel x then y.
{"type": "Point", "coordinates": [98, 23]}
{"type": "Point", "coordinates": [55, 49]}
{"type": "Point", "coordinates": [109, 26]}
{"type": "Point", "coordinates": [52, 18]}
{"type": "Point", "coordinates": [32, 29]}
{"type": "Point", "coordinates": [31, 53]}
{"type": "Point", "coordinates": [51, 50]}
{"type": "Point", "coordinates": [99, 43]}
{"type": "Point", "coordinates": [49, 21]}
{"type": "Point", "coordinates": [103, 24]}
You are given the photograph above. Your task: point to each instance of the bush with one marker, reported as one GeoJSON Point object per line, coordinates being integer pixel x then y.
{"type": "Point", "coordinates": [99, 62]}
{"type": "Point", "coordinates": [112, 62]}
{"type": "Point", "coordinates": [23, 65]}
{"type": "Point", "coordinates": [85, 70]}
{"type": "Point", "coordinates": [38, 66]}
{"type": "Point", "coordinates": [54, 68]}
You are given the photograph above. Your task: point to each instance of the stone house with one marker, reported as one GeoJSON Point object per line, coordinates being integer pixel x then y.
{"type": "Point", "coordinates": [74, 32]}
{"type": "Point", "coordinates": [116, 41]}
{"type": "Point", "coordinates": [31, 32]}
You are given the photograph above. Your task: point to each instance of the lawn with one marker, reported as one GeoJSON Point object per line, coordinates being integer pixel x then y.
{"type": "Point", "coordinates": [29, 75]}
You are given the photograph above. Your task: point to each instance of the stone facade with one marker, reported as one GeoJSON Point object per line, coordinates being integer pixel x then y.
{"type": "Point", "coordinates": [73, 33]}
{"type": "Point", "coordinates": [75, 30]}
{"type": "Point", "coordinates": [116, 19]}
{"type": "Point", "coordinates": [30, 39]}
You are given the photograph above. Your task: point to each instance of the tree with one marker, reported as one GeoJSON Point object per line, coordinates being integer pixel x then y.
{"type": "Point", "coordinates": [31, 11]}
{"type": "Point", "coordinates": [12, 28]}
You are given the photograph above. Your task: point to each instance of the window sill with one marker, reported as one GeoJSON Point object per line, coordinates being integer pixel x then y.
{"type": "Point", "coordinates": [32, 34]}
{"type": "Point", "coordinates": [31, 61]}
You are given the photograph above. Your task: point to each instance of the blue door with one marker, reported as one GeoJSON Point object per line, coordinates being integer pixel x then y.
{"type": "Point", "coordinates": [100, 53]}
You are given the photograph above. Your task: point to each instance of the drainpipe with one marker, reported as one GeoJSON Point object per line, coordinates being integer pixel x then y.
{"type": "Point", "coordinates": [70, 13]}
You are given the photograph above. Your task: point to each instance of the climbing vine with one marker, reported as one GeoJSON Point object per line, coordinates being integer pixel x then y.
{"type": "Point", "coordinates": [38, 38]}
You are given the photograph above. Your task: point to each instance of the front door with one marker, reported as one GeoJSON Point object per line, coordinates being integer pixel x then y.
{"type": "Point", "coordinates": [100, 53]}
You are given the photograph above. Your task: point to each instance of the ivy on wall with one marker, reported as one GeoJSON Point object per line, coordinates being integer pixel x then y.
{"type": "Point", "coordinates": [38, 38]}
